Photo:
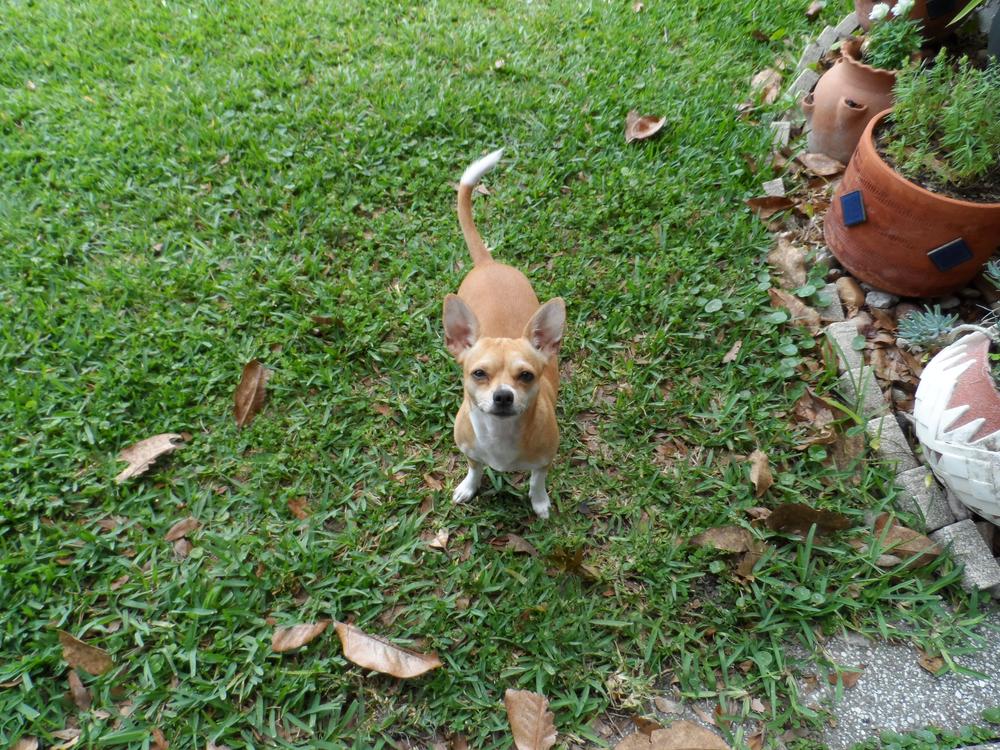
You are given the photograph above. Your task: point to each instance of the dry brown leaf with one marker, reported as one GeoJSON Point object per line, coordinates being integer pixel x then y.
{"type": "Point", "coordinates": [438, 539]}
{"type": "Point", "coordinates": [789, 260]}
{"type": "Point", "coordinates": [766, 85]}
{"type": "Point", "coordinates": [78, 654]}
{"type": "Point", "coordinates": [514, 543]}
{"type": "Point", "coordinates": [730, 356]}
{"type": "Point", "coordinates": [182, 548]}
{"type": "Point", "coordinates": [849, 677]}
{"type": "Point", "coordinates": [289, 639]}
{"type": "Point", "coordinates": [182, 528]}
{"type": "Point", "coordinates": [144, 454]}
{"type": "Point", "coordinates": [646, 726]}
{"type": "Point", "coordinates": [432, 482]}
{"type": "Point", "coordinates": [26, 743]}
{"type": "Point", "coordinates": [851, 294]}
{"type": "Point", "coordinates": [797, 518]}
{"type": "Point", "coordinates": [758, 513]}
{"type": "Point", "coordinates": [750, 558]}
{"type": "Point", "coordinates": [372, 652]}
{"type": "Point", "coordinates": [725, 538]}
{"type": "Point", "coordinates": [801, 312]}
{"type": "Point", "coordinates": [756, 740]}
{"type": "Point", "coordinates": [904, 543]}
{"type": "Point", "coordinates": [820, 164]}
{"type": "Point", "coordinates": [932, 664]}
{"type": "Point", "coordinates": [680, 735]}
{"type": "Point", "coordinates": [299, 508]}
{"type": "Point", "coordinates": [702, 714]}
{"type": "Point", "coordinates": [78, 691]}
{"type": "Point", "coordinates": [458, 742]}
{"type": "Point", "coordinates": [640, 128]}
{"type": "Point", "coordinates": [11, 683]}
{"type": "Point", "coordinates": [531, 723]}
{"type": "Point", "coordinates": [250, 392]}
{"type": "Point", "coordinates": [159, 741]}
{"type": "Point", "coordinates": [760, 472]}
{"type": "Point", "coordinates": [814, 9]}
{"type": "Point", "coordinates": [768, 205]}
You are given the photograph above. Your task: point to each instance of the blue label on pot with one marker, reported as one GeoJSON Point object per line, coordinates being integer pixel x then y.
{"type": "Point", "coordinates": [950, 255]}
{"type": "Point", "coordinates": [853, 208]}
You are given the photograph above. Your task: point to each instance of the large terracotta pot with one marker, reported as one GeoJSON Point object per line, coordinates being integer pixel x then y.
{"type": "Point", "coordinates": [845, 99]}
{"type": "Point", "coordinates": [957, 416]}
{"type": "Point", "coordinates": [902, 238]}
{"type": "Point", "coordinates": [935, 14]}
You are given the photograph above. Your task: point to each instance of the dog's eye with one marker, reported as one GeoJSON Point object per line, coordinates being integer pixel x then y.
{"type": "Point", "coordinates": [526, 377]}
{"type": "Point", "coordinates": [479, 374]}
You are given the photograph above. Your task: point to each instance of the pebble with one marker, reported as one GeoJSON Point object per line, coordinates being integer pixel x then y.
{"type": "Point", "coordinates": [949, 302]}
{"type": "Point", "coordinates": [882, 300]}
{"type": "Point", "coordinates": [666, 706]}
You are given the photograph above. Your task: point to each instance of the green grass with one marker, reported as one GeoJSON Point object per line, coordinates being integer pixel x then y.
{"type": "Point", "coordinates": [187, 183]}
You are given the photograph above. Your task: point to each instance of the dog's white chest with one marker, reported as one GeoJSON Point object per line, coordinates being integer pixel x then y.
{"type": "Point", "coordinates": [497, 442]}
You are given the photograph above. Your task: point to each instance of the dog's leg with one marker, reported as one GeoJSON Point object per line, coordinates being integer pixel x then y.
{"type": "Point", "coordinates": [470, 485]}
{"type": "Point", "coordinates": [539, 497]}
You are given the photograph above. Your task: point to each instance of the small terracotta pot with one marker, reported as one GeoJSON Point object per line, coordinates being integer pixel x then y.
{"type": "Point", "coordinates": [957, 416]}
{"type": "Point", "coordinates": [902, 238]}
{"type": "Point", "coordinates": [846, 97]}
{"type": "Point", "coordinates": [935, 14]}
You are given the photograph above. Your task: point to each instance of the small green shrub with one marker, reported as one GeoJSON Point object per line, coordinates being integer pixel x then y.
{"type": "Point", "coordinates": [946, 122]}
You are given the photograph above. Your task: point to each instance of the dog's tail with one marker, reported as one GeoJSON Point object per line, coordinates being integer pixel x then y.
{"type": "Point", "coordinates": [470, 179]}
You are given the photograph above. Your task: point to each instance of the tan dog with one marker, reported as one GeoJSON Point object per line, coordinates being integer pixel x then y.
{"type": "Point", "coordinates": [507, 346]}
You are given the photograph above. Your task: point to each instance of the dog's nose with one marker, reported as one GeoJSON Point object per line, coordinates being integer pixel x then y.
{"type": "Point", "coordinates": [503, 397]}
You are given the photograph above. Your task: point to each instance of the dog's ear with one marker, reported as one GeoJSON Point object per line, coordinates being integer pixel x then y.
{"type": "Point", "coordinates": [461, 328]}
{"type": "Point", "coordinates": [545, 329]}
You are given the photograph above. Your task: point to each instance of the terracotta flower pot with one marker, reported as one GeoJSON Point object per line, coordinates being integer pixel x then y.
{"type": "Point", "coordinates": [902, 238]}
{"type": "Point", "coordinates": [935, 14]}
{"type": "Point", "coordinates": [957, 415]}
{"type": "Point", "coordinates": [845, 99]}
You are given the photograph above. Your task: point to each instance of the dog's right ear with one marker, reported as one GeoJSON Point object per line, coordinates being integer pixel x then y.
{"type": "Point", "coordinates": [461, 328]}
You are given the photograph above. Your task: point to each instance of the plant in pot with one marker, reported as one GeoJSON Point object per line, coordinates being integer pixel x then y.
{"type": "Point", "coordinates": [917, 212]}
{"type": "Point", "coordinates": [859, 85]}
{"type": "Point", "coordinates": [957, 408]}
{"type": "Point", "coordinates": [935, 16]}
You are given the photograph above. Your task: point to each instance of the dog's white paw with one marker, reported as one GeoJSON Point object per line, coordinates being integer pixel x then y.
{"type": "Point", "coordinates": [466, 490]}
{"type": "Point", "coordinates": [541, 506]}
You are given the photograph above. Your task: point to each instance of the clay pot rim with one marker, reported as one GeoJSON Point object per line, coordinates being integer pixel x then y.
{"type": "Point", "coordinates": [868, 141]}
{"type": "Point", "coordinates": [882, 72]}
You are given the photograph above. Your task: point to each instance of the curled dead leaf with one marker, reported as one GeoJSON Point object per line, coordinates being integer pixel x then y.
{"type": "Point", "coordinates": [78, 691]}
{"type": "Point", "coordinates": [766, 85]}
{"type": "Point", "coordinates": [532, 725]}
{"type": "Point", "coordinates": [514, 543]}
{"type": "Point", "coordinates": [250, 393]}
{"type": "Point", "coordinates": [798, 518]}
{"type": "Point", "coordinates": [904, 543]}
{"type": "Point", "coordinates": [731, 355]}
{"type": "Point", "coordinates": [789, 260]}
{"type": "Point", "coordinates": [851, 294]}
{"type": "Point", "coordinates": [849, 677]}
{"type": "Point", "coordinates": [801, 312]}
{"type": "Point", "coordinates": [821, 165]}
{"type": "Point", "coordinates": [289, 639]}
{"type": "Point", "coordinates": [933, 664]}
{"type": "Point", "coordinates": [182, 528]}
{"type": "Point", "coordinates": [80, 655]}
{"type": "Point", "coordinates": [725, 538]}
{"type": "Point", "coordinates": [26, 743]}
{"type": "Point", "coordinates": [144, 454]}
{"type": "Point", "coordinates": [372, 652]}
{"type": "Point", "coordinates": [639, 128]}
{"type": "Point", "coordinates": [760, 472]}
{"type": "Point", "coordinates": [680, 735]}
{"type": "Point", "coordinates": [767, 206]}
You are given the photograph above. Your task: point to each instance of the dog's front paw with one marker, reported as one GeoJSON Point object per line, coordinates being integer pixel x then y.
{"type": "Point", "coordinates": [541, 506]}
{"type": "Point", "coordinates": [465, 491]}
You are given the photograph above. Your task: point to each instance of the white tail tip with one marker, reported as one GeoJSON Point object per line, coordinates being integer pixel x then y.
{"type": "Point", "coordinates": [478, 168]}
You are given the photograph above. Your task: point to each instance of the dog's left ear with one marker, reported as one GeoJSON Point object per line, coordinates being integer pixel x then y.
{"type": "Point", "coordinates": [545, 329]}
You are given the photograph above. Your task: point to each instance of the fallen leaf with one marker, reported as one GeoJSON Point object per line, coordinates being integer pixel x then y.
{"type": "Point", "coordinates": [144, 454]}
{"type": "Point", "coordinates": [799, 310]}
{"type": "Point", "coordinates": [182, 548]}
{"type": "Point", "coordinates": [250, 392]}
{"type": "Point", "coordinates": [760, 472]}
{"type": "Point", "coordinates": [372, 652]}
{"type": "Point", "coordinates": [905, 543]}
{"type": "Point", "coordinates": [182, 528]}
{"type": "Point", "coordinates": [637, 7]}
{"type": "Point", "coordinates": [756, 740]}
{"type": "Point", "coordinates": [814, 9]}
{"type": "Point", "coordinates": [78, 654]}
{"type": "Point", "coordinates": [932, 664]}
{"type": "Point", "coordinates": [458, 742]}
{"type": "Point", "coordinates": [681, 735]}
{"type": "Point", "coordinates": [299, 507]}
{"type": "Point", "coordinates": [797, 518]}
{"type": "Point", "coordinates": [515, 543]}
{"type": "Point", "coordinates": [159, 741]}
{"type": "Point", "coordinates": [432, 482]}
{"type": "Point", "coordinates": [531, 723]}
{"type": "Point", "coordinates": [640, 128]}
{"type": "Point", "coordinates": [26, 743]}
{"type": "Point", "coordinates": [438, 540]}
{"type": "Point", "coordinates": [80, 694]}
{"type": "Point", "coordinates": [11, 683]}
{"type": "Point", "coordinates": [767, 206]}
{"type": "Point", "coordinates": [758, 513]}
{"type": "Point", "coordinates": [851, 294]}
{"type": "Point", "coordinates": [766, 85]}
{"type": "Point", "coordinates": [646, 726]}
{"type": "Point", "coordinates": [749, 559]}
{"type": "Point", "coordinates": [572, 562]}
{"type": "Point", "coordinates": [704, 715]}
{"type": "Point", "coordinates": [789, 260]}
{"type": "Point", "coordinates": [730, 356]}
{"type": "Point", "coordinates": [821, 164]}
{"type": "Point", "coordinates": [849, 677]}
{"type": "Point", "coordinates": [725, 539]}
{"type": "Point", "coordinates": [289, 639]}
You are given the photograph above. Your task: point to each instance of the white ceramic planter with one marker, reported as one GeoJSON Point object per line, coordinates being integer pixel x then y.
{"type": "Point", "coordinates": [957, 414]}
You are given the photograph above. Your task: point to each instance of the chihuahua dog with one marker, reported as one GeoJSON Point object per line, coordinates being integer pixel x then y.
{"type": "Point", "coordinates": [507, 345]}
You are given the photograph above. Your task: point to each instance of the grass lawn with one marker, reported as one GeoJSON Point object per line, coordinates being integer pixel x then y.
{"type": "Point", "coordinates": [186, 184]}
